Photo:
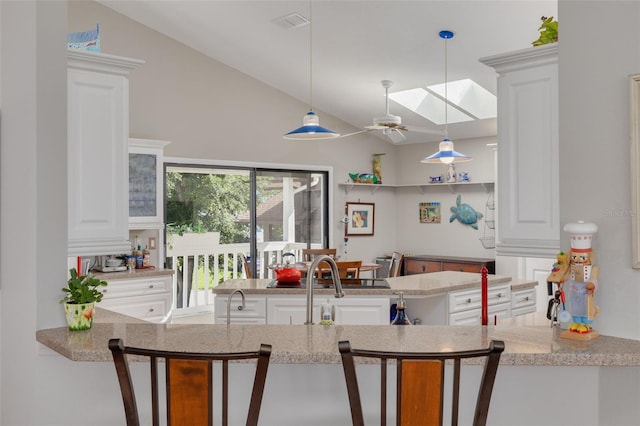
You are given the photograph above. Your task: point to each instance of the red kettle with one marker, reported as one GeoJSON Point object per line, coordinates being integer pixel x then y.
{"type": "Point", "coordinates": [287, 273]}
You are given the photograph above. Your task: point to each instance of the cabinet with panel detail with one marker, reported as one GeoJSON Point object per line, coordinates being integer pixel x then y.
{"type": "Point", "coordinates": [465, 306]}
{"type": "Point", "coordinates": [424, 263]}
{"type": "Point", "coordinates": [253, 312]}
{"type": "Point", "coordinates": [148, 298]}
{"type": "Point", "coordinates": [285, 309]}
{"type": "Point", "coordinates": [98, 131]}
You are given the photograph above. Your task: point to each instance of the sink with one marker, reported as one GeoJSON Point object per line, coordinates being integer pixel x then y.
{"type": "Point", "coordinates": [347, 284]}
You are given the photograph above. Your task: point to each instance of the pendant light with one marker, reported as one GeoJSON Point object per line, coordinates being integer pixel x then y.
{"type": "Point", "coordinates": [311, 128]}
{"type": "Point", "coordinates": [446, 154]}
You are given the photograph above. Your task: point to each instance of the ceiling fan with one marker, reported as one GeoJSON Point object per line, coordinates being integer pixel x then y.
{"type": "Point", "coordinates": [391, 125]}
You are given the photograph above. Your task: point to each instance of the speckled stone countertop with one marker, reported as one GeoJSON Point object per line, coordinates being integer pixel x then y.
{"type": "Point", "coordinates": [537, 345]}
{"type": "Point", "coordinates": [429, 284]}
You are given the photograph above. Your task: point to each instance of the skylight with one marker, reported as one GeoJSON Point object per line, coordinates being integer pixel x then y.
{"type": "Point", "coordinates": [467, 101]}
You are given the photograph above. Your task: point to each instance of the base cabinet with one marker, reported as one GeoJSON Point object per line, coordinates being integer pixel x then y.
{"type": "Point", "coordinates": [523, 301]}
{"type": "Point", "coordinates": [465, 307]}
{"type": "Point", "coordinates": [348, 310]}
{"type": "Point", "coordinates": [254, 311]}
{"type": "Point", "coordinates": [424, 264]}
{"type": "Point", "coordinates": [146, 298]}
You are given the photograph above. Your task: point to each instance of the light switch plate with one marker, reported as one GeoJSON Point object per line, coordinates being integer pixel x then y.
{"type": "Point", "coordinates": [152, 243]}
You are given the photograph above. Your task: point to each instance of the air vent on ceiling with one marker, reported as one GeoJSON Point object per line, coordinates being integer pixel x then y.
{"type": "Point", "coordinates": [293, 20]}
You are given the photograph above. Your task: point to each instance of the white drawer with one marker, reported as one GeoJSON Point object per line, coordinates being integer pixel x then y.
{"type": "Point", "coordinates": [523, 298]}
{"type": "Point", "coordinates": [155, 308]}
{"type": "Point", "coordinates": [474, 316]}
{"type": "Point", "coordinates": [255, 309]}
{"type": "Point", "coordinates": [137, 287]}
{"type": "Point", "coordinates": [472, 299]}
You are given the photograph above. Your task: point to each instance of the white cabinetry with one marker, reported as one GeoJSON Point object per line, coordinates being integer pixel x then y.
{"type": "Point", "coordinates": [528, 147]}
{"type": "Point", "coordinates": [465, 306]}
{"type": "Point", "coordinates": [254, 311]}
{"type": "Point", "coordinates": [98, 131]}
{"type": "Point", "coordinates": [523, 301]}
{"type": "Point", "coordinates": [146, 183]}
{"type": "Point", "coordinates": [348, 310]}
{"type": "Point", "coordinates": [147, 298]}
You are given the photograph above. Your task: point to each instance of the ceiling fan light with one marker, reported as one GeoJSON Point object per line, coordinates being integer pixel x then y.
{"type": "Point", "coordinates": [446, 154]}
{"type": "Point", "coordinates": [311, 129]}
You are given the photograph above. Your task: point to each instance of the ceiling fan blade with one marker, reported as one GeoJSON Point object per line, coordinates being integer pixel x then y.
{"type": "Point", "coordinates": [425, 130]}
{"type": "Point", "coordinates": [355, 133]}
{"type": "Point", "coordinates": [395, 136]}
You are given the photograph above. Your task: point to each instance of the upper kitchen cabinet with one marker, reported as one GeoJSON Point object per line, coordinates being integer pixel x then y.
{"type": "Point", "coordinates": [98, 134]}
{"type": "Point", "coordinates": [146, 183]}
{"type": "Point", "coordinates": [528, 195]}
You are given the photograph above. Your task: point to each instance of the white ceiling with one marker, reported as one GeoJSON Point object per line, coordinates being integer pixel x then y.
{"type": "Point", "coordinates": [355, 44]}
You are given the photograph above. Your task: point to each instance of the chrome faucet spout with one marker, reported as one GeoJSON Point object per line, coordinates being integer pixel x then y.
{"type": "Point", "coordinates": [229, 303]}
{"type": "Point", "coordinates": [335, 277]}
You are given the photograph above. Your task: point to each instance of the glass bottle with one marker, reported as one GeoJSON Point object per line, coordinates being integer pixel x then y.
{"type": "Point", "coordinates": [401, 317]}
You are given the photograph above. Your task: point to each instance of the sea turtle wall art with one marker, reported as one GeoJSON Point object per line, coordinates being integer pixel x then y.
{"type": "Point", "coordinates": [465, 214]}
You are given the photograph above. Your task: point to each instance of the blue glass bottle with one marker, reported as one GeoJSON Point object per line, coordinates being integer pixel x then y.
{"type": "Point", "coordinates": [401, 316]}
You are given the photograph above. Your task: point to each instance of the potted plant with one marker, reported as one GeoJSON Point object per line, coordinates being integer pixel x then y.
{"type": "Point", "coordinates": [82, 293]}
{"type": "Point", "coordinates": [548, 31]}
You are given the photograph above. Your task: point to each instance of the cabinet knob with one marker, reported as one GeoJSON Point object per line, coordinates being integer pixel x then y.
{"type": "Point", "coordinates": [240, 307]}
{"type": "Point", "coordinates": [499, 295]}
{"type": "Point", "coordinates": [526, 299]}
{"type": "Point", "coordinates": [461, 269]}
{"type": "Point", "coordinates": [424, 268]}
{"type": "Point", "coordinates": [150, 309]}
{"type": "Point", "coordinates": [469, 300]}
{"type": "Point", "coordinates": [150, 285]}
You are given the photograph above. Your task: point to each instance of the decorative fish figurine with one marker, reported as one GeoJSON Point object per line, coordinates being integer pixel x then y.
{"type": "Point", "coordinates": [465, 214]}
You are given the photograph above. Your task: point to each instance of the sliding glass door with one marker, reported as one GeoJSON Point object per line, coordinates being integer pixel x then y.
{"type": "Point", "coordinates": [215, 215]}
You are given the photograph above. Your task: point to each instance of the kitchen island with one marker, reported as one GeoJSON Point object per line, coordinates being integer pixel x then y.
{"type": "Point", "coordinates": [543, 379]}
{"type": "Point", "coordinates": [438, 298]}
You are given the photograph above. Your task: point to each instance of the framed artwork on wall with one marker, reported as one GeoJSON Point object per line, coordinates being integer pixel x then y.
{"type": "Point", "coordinates": [360, 219]}
{"type": "Point", "coordinates": [429, 212]}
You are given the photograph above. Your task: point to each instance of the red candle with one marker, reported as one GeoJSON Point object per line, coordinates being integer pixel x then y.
{"type": "Point", "coordinates": [485, 299]}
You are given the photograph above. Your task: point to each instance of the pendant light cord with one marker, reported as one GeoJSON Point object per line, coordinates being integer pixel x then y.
{"type": "Point", "coordinates": [310, 56]}
{"type": "Point", "coordinates": [446, 88]}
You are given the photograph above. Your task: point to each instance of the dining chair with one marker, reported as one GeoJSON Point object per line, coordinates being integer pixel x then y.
{"type": "Point", "coordinates": [187, 384]}
{"type": "Point", "coordinates": [245, 265]}
{"type": "Point", "coordinates": [348, 271]}
{"type": "Point", "coordinates": [395, 264]}
{"type": "Point", "coordinates": [420, 383]}
{"type": "Point", "coordinates": [309, 254]}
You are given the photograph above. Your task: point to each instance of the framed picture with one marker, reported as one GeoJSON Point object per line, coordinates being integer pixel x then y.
{"type": "Point", "coordinates": [429, 212]}
{"type": "Point", "coordinates": [360, 218]}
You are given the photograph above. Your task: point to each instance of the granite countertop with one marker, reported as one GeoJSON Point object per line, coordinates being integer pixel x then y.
{"type": "Point", "coordinates": [429, 284]}
{"type": "Point", "coordinates": [528, 345]}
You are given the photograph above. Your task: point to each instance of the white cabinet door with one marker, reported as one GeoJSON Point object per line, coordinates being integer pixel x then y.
{"type": "Point", "coordinates": [146, 183]}
{"type": "Point", "coordinates": [291, 310]}
{"type": "Point", "coordinates": [254, 311]}
{"type": "Point", "coordinates": [528, 136]}
{"type": "Point", "coordinates": [98, 131]}
{"type": "Point", "coordinates": [465, 300]}
{"type": "Point", "coordinates": [348, 310]}
{"type": "Point", "coordinates": [361, 310]}
{"type": "Point", "coordinates": [147, 298]}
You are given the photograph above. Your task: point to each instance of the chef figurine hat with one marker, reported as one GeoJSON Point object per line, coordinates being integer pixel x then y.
{"type": "Point", "coordinates": [581, 235]}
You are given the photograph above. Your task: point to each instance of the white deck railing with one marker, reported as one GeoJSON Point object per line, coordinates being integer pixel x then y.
{"type": "Point", "coordinates": [213, 263]}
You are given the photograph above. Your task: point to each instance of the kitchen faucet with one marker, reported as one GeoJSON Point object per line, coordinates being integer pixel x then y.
{"type": "Point", "coordinates": [229, 303]}
{"type": "Point", "coordinates": [335, 277]}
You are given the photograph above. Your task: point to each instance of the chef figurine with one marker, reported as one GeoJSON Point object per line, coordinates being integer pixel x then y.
{"type": "Point", "coordinates": [582, 280]}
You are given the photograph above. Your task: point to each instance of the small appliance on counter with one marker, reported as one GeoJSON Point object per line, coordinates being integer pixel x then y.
{"type": "Point", "coordinates": [111, 264]}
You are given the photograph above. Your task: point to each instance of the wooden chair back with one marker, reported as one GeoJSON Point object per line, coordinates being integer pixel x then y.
{"type": "Point", "coordinates": [188, 384]}
{"type": "Point", "coordinates": [420, 383]}
{"type": "Point", "coordinates": [395, 265]}
{"type": "Point", "coordinates": [309, 254]}
{"type": "Point", "coordinates": [348, 271]}
{"type": "Point", "coordinates": [245, 265]}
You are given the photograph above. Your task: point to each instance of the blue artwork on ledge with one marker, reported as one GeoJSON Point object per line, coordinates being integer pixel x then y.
{"type": "Point", "coordinates": [85, 40]}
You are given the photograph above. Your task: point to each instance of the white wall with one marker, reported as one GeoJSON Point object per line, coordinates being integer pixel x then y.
{"type": "Point", "coordinates": [210, 111]}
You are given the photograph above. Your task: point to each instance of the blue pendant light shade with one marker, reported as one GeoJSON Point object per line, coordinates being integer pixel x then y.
{"type": "Point", "coordinates": [311, 128]}
{"type": "Point", "coordinates": [446, 154]}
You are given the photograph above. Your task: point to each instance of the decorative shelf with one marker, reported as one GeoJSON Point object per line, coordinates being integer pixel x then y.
{"type": "Point", "coordinates": [422, 187]}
